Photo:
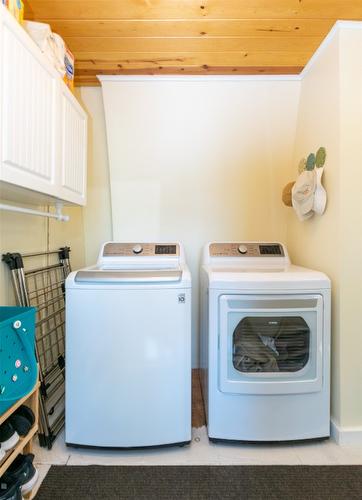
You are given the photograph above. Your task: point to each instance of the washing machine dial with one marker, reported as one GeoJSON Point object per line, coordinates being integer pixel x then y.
{"type": "Point", "coordinates": [243, 249]}
{"type": "Point", "coordinates": [137, 249]}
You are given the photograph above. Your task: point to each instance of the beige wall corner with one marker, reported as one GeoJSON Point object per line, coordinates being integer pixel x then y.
{"type": "Point", "coordinates": [330, 115]}
{"type": "Point", "coordinates": [97, 213]}
{"type": "Point", "coordinates": [350, 232]}
{"type": "Point", "coordinates": [311, 242]}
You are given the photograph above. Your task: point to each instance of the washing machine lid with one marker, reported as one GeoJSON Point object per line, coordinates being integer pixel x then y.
{"type": "Point", "coordinates": [99, 275]}
{"type": "Point", "coordinates": [276, 278]}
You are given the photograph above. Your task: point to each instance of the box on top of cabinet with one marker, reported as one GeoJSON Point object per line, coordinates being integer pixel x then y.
{"type": "Point", "coordinates": [16, 8]}
{"type": "Point", "coordinates": [54, 48]}
{"type": "Point", "coordinates": [69, 63]}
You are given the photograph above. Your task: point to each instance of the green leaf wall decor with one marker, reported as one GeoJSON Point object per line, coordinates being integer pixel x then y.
{"type": "Point", "coordinates": [320, 157]}
{"type": "Point", "coordinates": [310, 161]}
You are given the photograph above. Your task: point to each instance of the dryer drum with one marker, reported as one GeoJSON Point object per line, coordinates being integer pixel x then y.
{"type": "Point", "coordinates": [271, 344]}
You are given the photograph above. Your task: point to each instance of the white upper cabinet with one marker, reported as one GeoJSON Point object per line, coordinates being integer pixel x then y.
{"type": "Point", "coordinates": [73, 144]}
{"type": "Point", "coordinates": [43, 128]}
{"type": "Point", "coordinates": [28, 118]}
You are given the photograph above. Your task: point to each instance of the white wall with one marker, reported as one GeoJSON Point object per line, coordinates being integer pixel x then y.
{"type": "Point", "coordinates": [198, 160]}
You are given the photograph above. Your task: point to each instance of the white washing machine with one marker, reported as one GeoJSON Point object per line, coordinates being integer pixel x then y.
{"type": "Point", "coordinates": [265, 344]}
{"type": "Point", "coordinates": [128, 348]}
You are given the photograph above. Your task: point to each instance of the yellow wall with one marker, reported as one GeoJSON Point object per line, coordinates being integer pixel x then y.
{"type": "Point", "coordinates": [350, 226]}
{"type": "Point", "coordinates": [97, 212]}
{"type": "Point", "coordinates": [330, 115]}
{"type": "Point", "coordinates": [315, 243]}
{"type": "Point", "coordinates": [27, 233]}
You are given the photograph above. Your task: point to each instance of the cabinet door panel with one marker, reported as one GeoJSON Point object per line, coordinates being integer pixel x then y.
{"type": "Point", "coordinates": [74, 146]}
{"type": "Point", "coordinates": [29, 110]}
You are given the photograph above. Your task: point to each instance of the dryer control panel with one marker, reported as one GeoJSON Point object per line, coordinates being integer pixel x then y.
{"type": "Point", "coordinates": [141, 249]}
{"type": "Point", "coordinates": [247, 249]}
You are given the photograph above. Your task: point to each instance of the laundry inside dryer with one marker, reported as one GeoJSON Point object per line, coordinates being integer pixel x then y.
{"type": "Point", "coordinates": [271, 344]}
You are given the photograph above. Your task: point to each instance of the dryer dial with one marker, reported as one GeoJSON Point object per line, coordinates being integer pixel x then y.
{"type": "Point", "coordinates": [243, 249]}
{"type": "Point", "coordinates": [137, 249]}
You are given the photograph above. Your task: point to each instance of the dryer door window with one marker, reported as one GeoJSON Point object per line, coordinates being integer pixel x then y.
{"type": "Point", "coordinates": [271, 344]}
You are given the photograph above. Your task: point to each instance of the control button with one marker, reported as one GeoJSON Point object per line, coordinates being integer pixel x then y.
{"type": "Point", "coordinates": [2, 389]}
{"type": "Point", "coordinates": [14, 378]}
{"type": "Point", "coordinates": [17, 363]}
{"type": "Point", "coordinates": [17, 324]}
{"type": "Point", "coordinates": [137, 249]}
{"type": "Point", "coordinates": [243, 249]}
{"type": "Point", "coordinates": [26, 368]}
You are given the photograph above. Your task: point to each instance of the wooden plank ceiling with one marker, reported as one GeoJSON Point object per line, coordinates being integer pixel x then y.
{"type": "Point", "coordinates": [191, 36]}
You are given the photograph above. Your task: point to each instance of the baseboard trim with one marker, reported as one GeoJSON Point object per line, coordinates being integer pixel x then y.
{"type": "Point", "coordinates": [346, 436]}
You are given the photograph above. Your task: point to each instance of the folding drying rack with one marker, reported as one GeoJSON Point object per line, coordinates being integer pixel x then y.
{"type": "Point", "coordinates": [42, 285]}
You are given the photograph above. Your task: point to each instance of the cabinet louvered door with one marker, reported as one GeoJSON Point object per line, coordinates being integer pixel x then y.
{"type": "Point", "coordinates": [74, 148]}
{"type": "Point", "coordinates": [29, 99]}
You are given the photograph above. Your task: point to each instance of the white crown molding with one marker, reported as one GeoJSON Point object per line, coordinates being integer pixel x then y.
{"type": "Point", "coordinates": [195, 78]}
{"type": "Point", "coordinates": [355, 25]}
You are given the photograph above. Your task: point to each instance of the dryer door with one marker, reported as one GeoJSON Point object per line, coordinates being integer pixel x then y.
{"type": "Point", "coordinates": [271, 344]}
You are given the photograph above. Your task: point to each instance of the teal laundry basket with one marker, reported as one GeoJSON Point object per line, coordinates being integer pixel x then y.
{"type": "Point", "coordinates": [18, 367]}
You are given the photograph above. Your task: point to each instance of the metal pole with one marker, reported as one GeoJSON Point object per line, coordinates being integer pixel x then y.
{"type": "Point", "coordinates": [29, 211]}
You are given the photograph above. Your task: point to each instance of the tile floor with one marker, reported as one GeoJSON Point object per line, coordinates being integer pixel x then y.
{"type": "Point", "coordinates": [201, 452]}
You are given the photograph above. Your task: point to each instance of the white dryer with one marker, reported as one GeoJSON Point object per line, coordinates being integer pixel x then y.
{"type": "Point", "coordinates": [128, 348]}
{"type": "Point", "coordinates": [265, 344]}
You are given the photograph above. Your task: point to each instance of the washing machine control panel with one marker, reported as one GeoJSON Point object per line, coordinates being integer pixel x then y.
{"type": "Point", "coordinates": [246, 250]}
{"type": "Point", "coordinates": [142, 249]}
